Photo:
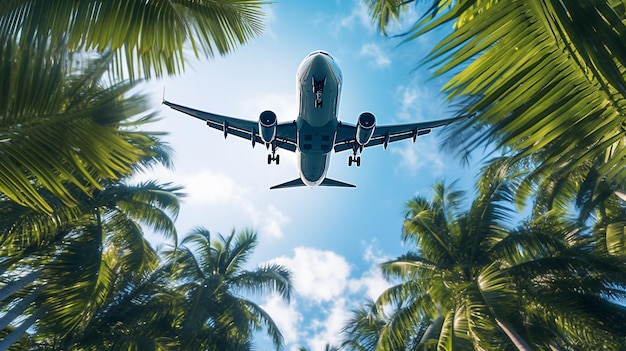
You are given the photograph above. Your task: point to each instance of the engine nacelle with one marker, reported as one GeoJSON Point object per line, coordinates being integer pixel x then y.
{"type": "Point", "coordinates": [267, 126]}
{"type": "Point", "coordinates": [365, 128]}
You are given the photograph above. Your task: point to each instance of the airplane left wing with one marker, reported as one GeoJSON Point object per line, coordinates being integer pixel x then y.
{"type": "Point", "coordinates": [346, 133]}
{"type": "Point", "coordinates": [249, 130]}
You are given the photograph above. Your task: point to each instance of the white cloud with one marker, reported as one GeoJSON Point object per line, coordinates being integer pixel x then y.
{"type": "Point", "coordinates": [214, 188]}
{"type": "Point", "coordinates": [417, 103]}
{"type": "Point", "coordinates": [327, 291]}
{"type": "Point", "coordinates": [273, 221]}
{"type": "Point", "coordinates": [208, 188]}
{"type": "Point", "coordinates": [378, 57]}
{"type": "Point", "coordinates": [372, 281]}
{"type": "Point", "coordinates": [359, 15]}
{"type": "Point", "coordinates": [285, 105]}
{"type": "Point", "coordinates": [285, 315]}
{"type": "Point", "coordinates": [418, 157]}
{"type": "Point", "coordinates": [373, 254]}
{"type": "Point", "coordinates": [317, 275]}
{"type": "Point", "coordinates": [330, 327]}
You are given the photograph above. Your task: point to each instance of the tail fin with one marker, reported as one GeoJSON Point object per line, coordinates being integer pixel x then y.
{"type": "Point", "coordinates": [326, 182]}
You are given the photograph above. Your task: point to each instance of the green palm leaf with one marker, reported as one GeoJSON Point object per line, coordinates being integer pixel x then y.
{"type": "Point", "coordinates": [210, 273]}
{"type": "Point", "coordinates": [79, 135]}
{"type": "Point", "coordinates": [540, 83]}
{"type": "Point", "coordinates": [473, 282]}
{"type": "Point", "coordinates": [146, 37]}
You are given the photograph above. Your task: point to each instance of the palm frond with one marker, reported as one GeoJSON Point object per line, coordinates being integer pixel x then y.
{"type": "Point", "coordinates": [269, 278]}
{"type": "Point", "coordinates": [78, 110]}
{"type": "Point", "coordinates": [540, 83]}
{"type": "Point", "coordinates": [262, 316]}
{"type": "Point", "coordinates": [146, 37]}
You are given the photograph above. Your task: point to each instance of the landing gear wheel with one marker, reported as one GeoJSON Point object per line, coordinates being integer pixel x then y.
{"type": "Point", "coordinates": [273, 157]}
{"type": "Point", "coordinates": [354, 159]}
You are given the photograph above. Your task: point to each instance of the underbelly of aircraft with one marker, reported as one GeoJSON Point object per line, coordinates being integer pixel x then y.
{"type": "Point", "coordinates": [313, 167]}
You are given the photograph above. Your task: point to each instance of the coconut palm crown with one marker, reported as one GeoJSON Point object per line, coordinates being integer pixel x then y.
{"type": "Point", "coordinates": [474, 283]}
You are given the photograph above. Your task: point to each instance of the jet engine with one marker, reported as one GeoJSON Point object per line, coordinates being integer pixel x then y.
{"type": "Point", "coordinates": [267, 126]}
{"type": "Point", "coordinates": [365, 128]}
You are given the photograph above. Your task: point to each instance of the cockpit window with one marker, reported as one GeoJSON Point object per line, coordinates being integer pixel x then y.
{"type": "Point", "coordinates": [320, 52]}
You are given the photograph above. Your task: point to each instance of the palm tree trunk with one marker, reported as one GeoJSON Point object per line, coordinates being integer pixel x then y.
{"type": "Point", "coordinates": [19, 308]}
{"type": "Point", "coordinates": [17, 333]}
{"type": "Point", "coordinates": [432, 329]}
{"type": "Point", "coordinates": [515, 338]}
{"type": "Point", "coordinates": [19, 284]}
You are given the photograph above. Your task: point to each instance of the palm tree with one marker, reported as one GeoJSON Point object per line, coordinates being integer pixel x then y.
{"type": "Point", "coordinates": [68, 264]}
{"type": "Point", "coordinates": [61, 128]}
{"type": "Point", "coordinates": [585, 196]}
{"type": "Point", "coordinates": [546, 78]}
{"type": "Point", "coordinates": [472, 282]}
{"type": "Point", "coordinates": [148, 300]}
{"type": "Point", "coordinates": [363, 331]}
{"type": "Point", "coordinates": [210, 273]}
{"type": "Point", "coordinates": [145, 37]}
{"type": "Point", "coordinates": [59, 122]}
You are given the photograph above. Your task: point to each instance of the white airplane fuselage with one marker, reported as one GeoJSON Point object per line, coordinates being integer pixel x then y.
{"type": "Point", "coordinates": [318, 88]}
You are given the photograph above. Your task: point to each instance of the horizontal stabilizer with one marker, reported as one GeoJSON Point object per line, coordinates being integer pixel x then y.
{"type": "Point", "coordinates": [332, 182]}
{"type": "Point", "coordinates": [326, 182]}
{"type": "Point", "coordinates": [290, 184]}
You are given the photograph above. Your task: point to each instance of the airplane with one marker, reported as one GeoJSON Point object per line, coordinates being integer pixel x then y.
{"type": "Point", "coordinates": [317, 130]}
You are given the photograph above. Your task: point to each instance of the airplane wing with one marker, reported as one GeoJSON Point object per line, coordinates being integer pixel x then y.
{"type": "Point", "coordinates": [346, 133]}
{"type": "Point", "coordinates": [249, 130]}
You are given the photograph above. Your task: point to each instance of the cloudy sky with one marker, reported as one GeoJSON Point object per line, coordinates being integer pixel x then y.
{"type": "Point", "coordinates": [331, 238]}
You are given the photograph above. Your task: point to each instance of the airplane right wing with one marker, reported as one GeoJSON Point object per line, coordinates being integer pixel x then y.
{"type": "Point", "coordinates": [285, 132]}
{"type": "Point", "coordinates": [347, 133]}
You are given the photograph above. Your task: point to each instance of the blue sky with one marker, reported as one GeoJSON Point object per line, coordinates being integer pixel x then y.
{"type": "Point", "coordinates": [332, 239]}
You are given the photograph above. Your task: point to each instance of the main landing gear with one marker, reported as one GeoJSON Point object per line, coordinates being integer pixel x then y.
{"type": "Point", "coordinates": [354, 159]}
{"type": "Point", "coordinates": [272, 157]}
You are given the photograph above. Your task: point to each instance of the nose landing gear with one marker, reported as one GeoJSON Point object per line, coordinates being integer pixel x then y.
{"type": "Point", "coordinates": [318, 90]}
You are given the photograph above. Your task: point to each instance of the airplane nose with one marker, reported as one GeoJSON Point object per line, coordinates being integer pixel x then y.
{"type": "Point", "coordinates": [316, 61]}
{"type": "Point", "coordinates": [320, 60]}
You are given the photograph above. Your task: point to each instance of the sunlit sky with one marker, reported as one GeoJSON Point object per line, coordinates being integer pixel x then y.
{"type": "Point", "coordinates": [331, 238]}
